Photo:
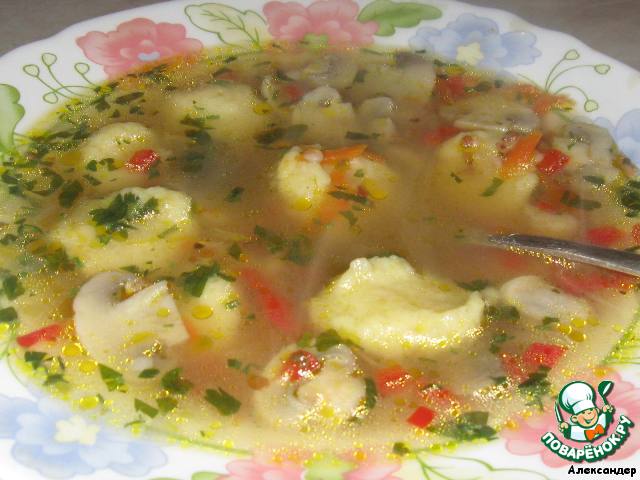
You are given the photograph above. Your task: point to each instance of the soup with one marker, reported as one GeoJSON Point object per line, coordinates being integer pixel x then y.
{"type": "Point", "coordinates": [281, 249]}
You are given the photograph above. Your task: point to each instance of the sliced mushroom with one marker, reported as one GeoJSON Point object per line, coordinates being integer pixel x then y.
{"type": "Point", "coordinates": [330, 395]}
{"type": "Point", "coordinates": [121, 322]}
{"type": "Point", "coordinates": [537, 299]}
{"type": "Point", "coordinates": [491, 112]}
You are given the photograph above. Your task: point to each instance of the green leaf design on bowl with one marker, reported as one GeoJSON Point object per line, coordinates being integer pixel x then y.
{"type": "Point", "coordinates": [391, 15]}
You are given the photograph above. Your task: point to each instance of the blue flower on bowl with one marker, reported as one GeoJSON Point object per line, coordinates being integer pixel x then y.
{"type": "Point", "coordinates": [626, 133]}
{"type": "Point", "coordinates": [477, 41]}
{"type": "Point", "coordinates": [60, 444]}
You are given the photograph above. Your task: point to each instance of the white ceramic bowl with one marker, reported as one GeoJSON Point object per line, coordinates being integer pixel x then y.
{"type": "Point", "coordinates": [42, 438]}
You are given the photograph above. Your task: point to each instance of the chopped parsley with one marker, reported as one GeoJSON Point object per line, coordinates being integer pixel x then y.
{"type": "Point", "coordinates": [497, 341]}
{"type": "Point", "coordinates": [69, 193]}
{"type": "Point", "coordinates": [400, 449]}
{"type": "Point", "coordinates": [35, 359]}
{"type": "Point", "coordinates": [166, 404]}
{"type": "Point", "coordinates": [12, 287]}
{"type": "Point", "coordinates": [149, 373]}
{"type": "Point", "coordinates": [145, 408]}
{"type": "Point", "coordinates": [224, 402]}
{"type": "Point", "coordinates": [328, 339]}
{"type": "Point", "coordinates": [572, 200]}
{"type": "Point", "coordinates": [235, 195]}
{"type": "Point", "coordinates": [298, 249]}
{"type": "Point", "coordinates": [474, 285]}
{"type": "Point", "coordinates": [470, 426]}
{"type": "Point", "coordinates": [128, 98]}
{"type": "Point", "coordinates": [195, 281]}
{"type": "Point", "coordinates": [493, 187]}
{"type": "Point", "coordinates": [629, 197]}
{"type": "Point", "coordinates": [595, 180]}
{"type": "Point", "coordinates": [502, 312]}
{"type": "Point", "coordinates": [235, 251]}
{"type": "Point", "coordinates": [121, 212]}
{"type": "Point", "coordinates": [536, 387]}
{"type": "Point", "coordinates": [357, 136]}
{"type": "Point", "coordinates": [371, 393]}
{"type": "Point", "coordinates": [111, 378]}
{"type": "Point", "coordinates": [8, 315]}
{"type": "Point", "coordinates": [175, 383]}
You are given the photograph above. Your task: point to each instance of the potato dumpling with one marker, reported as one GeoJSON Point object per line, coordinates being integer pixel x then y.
{"type": "Point", "coordinates": [304, 179]}
{"type": "Point", "coordinates": [214, 315]}
{"type": "Point", "coordinates": [118, 318]}
{"type": "Point", "coordinates": [301, 180]}
{"type": "Point", "coordinates": [133, 227]}
{"type": "Point", "coordinates": [326, 116]}
{"type": "Point", "coordinates": [464, 173]}
{"type": "Point", "coordinates": [112, 145]}
{"type": "Point", "coordinates": [383, 305]}
{"type": "Point", "coordinates": [411, 80]}
{"type": "Point", "coordinates": [229, 110]}
{"type": "Point", "coordinates": [308, 386]}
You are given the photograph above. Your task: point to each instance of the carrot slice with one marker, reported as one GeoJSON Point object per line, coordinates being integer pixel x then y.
{"type": "Point", "coordinates": [331, 208]}
{"type": "Point", "coordinates": [345, 153]}
{"type": "Point", "coordinates": [276, 308]}
{"type": "Point", "coordinates": [520, 157]}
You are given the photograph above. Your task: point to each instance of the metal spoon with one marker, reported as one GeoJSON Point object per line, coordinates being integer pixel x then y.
{"type": "Point", "coordinates": [618, 260]}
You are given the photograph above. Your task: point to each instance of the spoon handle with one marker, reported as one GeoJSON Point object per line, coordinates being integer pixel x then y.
{"type": "Point", "coordinates": [618, 260]}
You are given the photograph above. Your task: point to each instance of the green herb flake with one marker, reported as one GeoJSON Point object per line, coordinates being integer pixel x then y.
{"type": "Point", "coordinates": [371, 393]}
{"type": "Point", "coordinates": [357, 136]}
{"type": "Point", "coordinates": [329, 338]}
{"type": "Point", "coordinates": [470, 426]}
{"type": "Point", "coordinates": [195, 281]}
{"type": "Point", "coordinates": [166, 404]}
{"type": "Point", "coordinates": [274, 242]}
{"type": "Point", "coordinates": [234, 363]}
{"type": "Point", "coordinates": [123, 210]}
{"type": "Point", "coordinates": [69, 193]}
{"type": "Point", "coordinates": [35, 359]}
{"type": "Point", "coordinates": [235, 195]}
{"type": "Point", "coordinates": [595, 180]}
{"type": "Point", "coordinates": [175, 383]}
{"type": "Point", "coordinates": [8, 315]}
{"type": "Point", "coordinates": [575, 201]}
{"type": "Point", "coordinates": [536, 387]}
{"type": "Point", "coordinates": [455, 177]}
{"type": "Point", "coordinates": [400, 449]}
{"type": "Point", "coordinates": [145, 408]}
{"type": "Point", "coordinates": [235, 251]}
{"type": "Point", "coordinates": [299, 251]}
{"type": "Point", "coordinates": [493, 187]}
{"type": "Point", "coordinates": [112, 378]}
{"type": "Point", "coordinates": [224, 402]}
{"type": "Point", "coordinates": [128, 98]}
{"type": "Point", "coordinates": [149, 373]}
{"type": "Point", "coordinates": [548, 323]}
{"type": "Point", "coordinates": [497, 341]}
{"type": "Point", "coordinates": [351, 197]}
{"type": "Point", "coordinates": [474, 285]}
{"type": "Point", "coordinates": [351, 218]}
{"type": "Point", "coordinates": [502, 313]}
{"type": "Point", "coordinates": [12, 287]}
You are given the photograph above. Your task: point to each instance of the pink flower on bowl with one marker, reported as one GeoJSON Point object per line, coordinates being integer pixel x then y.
{"type": "Point", "coordinates": [373, 472]}
{"type": "Point", "coordinates": [625, 397]}
{"type": "Point", "coordinates": [254, 470]}
{"type": "Point", "coordinates": [136, 42]}
{"type": "Point", "coordinates": [336, 20]}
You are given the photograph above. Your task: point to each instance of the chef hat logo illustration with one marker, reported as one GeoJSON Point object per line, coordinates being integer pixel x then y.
{"type": "Point", "coordinates": [577, 397]}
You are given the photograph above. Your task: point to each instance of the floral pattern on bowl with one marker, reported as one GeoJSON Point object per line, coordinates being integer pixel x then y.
{"type": "Point", "coordinates": [42, 438]}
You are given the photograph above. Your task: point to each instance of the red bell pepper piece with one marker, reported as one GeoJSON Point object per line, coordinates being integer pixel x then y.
{"type": "Point", "coordinates": [553, 162]}
{"type": "Point", "coordinates": [143, 160]}
{"type": "Point", "coordinates": [542, 354]}
{"type": "Point", "coordinates": [451, 89]}
{"type": "Point", "coordinates": [277, 309]}
{"type": "Point", "coordinates": [49, 333]}
{"type": "Point", "coordinates": [604, 236]}
{"type": "Point", "coordinates": [392, 380]}
{"type": "Point", "coordinates": [422, 417]}
{"type": "Point", "coordinates": [301, 364]}
{"type": "Point", "coordinates": [635, 233]}
{"type": "Point", "coordinates": [439, 135]}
